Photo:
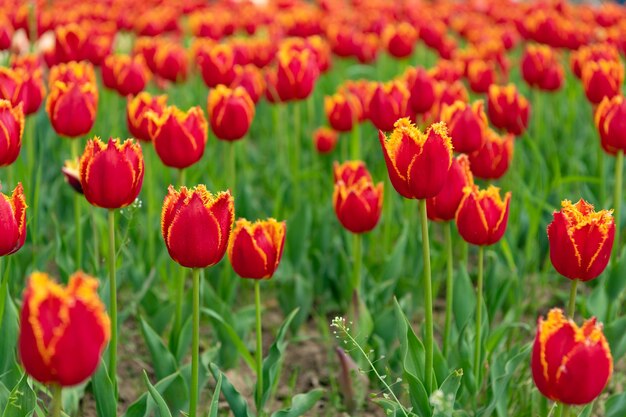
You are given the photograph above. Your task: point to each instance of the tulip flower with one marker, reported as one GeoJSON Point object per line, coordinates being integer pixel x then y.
{"type": "Point", "coordinates": [358, 205]}
{"type": "Point", "coordinates": [609, 121]}
{"type": "Point", "coordinates": [127, 75]}
{"type": "Point", "coordinates": [362, 90]}
{"type": "Point", "coordinates": [251, 79]}
{"type": "Point", "coordinates": [422, 89]}
{"type": "Point", "coordinates": [541, 68]}
{"type": "Point", "coordinates": [216, 62]}
{"type": "Point", "coordinates": [136, 109]}
{"type": "Point", "coordinates": [296, 75]}
{"type": "Point", "coordinates": [179, 137]}
{"type": "Point", "coordinates": [594, 52]}
{"type": "Point", "coordinates": [481, 75]}
{"type": "Point", "coordinates": [21, 85]}
{"type": "Point", "coordinates": [342, 111]}
{"type": "Point", "coordinates": [72, 108]}
{"type": "Point", "coordinates": [400, 39]}
{"type": "Point", "coordinates": [12, 221]}
{"type": "Point", "coordinates": [388, 103]}
{"type": "Point", "coordinates": [581, 240]}
{"type": "Point", "coordinates": [507, 109]}
{"type": "Point", "coordinates": [325, 139]}
{"type": "Point", "coordinates": [72, 72]}
{"type": "Point", "coordinates": [417, 163]}
{"type": "Point", "coordinates": [350, 172]}
{"type": "Point", "coordinates": [255, 249]}
{"type": "Point", "coordinates": [71, 172]}
{"type": "Point", "coordinates": [63, 330]}
{"type": "Point", "coordinates": [111, 174]}
{"type": "Point", "coordinates": [147, 47]}
{"type": "Point", "coordinates": [448, 94]}
{"type": "Point", "coordinates": [230, 112]}
{"type": "Point", "coordinates": [12, 130]}
{"type": "Point", "coordinates": [444, 205]}
{"type": "Point", "coordinates": [482, 215]}
{"type": "Point", "coordinates": [570, 364]}
{"type": "Point", "coordinates": [492, 160]}
{"type": "Point", "coordinates": [170, 61]}
{"type": "Point", "coordinates": [602, 79]}
{"type": "Point", "coordinates": [466, 125]}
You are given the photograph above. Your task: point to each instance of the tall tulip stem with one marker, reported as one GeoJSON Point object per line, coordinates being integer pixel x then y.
{"type": "Point", "coordinates": [571, 306]}
{"type": "Point", "coordinates": [259, 346]}
{"type": "Point", "coordinates": [57, 400]}
{"type": "Point", "coordinates": [449, 287]}
{"type": "Point", "coordinates": [112, 302]}
{"type": "Point", "coordinates": [479, 310]}
{"type": "Point", "coordinates": [617, 202]}
{"type": "Point", "coordinates": [356, 263]}
{"type": "Point", "coordinates": [195, 343]}
{"type": "Point", "coordinates": [428, 298]}
{"type": "Point", "coordinates": [295, 142]}
{"type": "Point", "coordinates": [180, 282]}
{"type": "Point", "coordinates": [355, 144]}
{"type": "Point", "coordinates": [232, 167]}
{"type": "Point", "coordinates": [77, 215]}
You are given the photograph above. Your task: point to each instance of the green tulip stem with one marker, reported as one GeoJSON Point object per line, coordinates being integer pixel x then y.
{"type": "Point", "coordinates": [428, 298]}
{"type": "Point", "coordinates": [112, 303]}
{"type": "Point", "coordinates": [617, 203]}
{"type": "Point", "coordinates": [77, 214]}
{"type": "Point", "coordinates": [479, 309]}
{"type": "Point", "coordinates": [232, 167]}
{"type": "Point", "coordinates": [259, 347]}
{"type": "Point", "coordinates": [355, 144]}
{"type": "Point", "coordinates": [57, 400]}
{"type": "Point", "coordinates": [180, 279]}
{"type": "Point", "coordinates": [449, 287]}
{"type": "Point", "coordinates": [195, 344]}
{"type": "Point", "coordinates": [571, 306]}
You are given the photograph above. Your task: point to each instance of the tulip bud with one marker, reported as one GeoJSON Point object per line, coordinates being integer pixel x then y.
{"type": "Point", "coordinates": [444, 205]}
{"type": "Point", "coordinates": [481, 75]}
{"type": "Point", "coordinates": [362, 90]}
{"type": "Point", "coordinates": [423, 93]}
{"type": "Point", "coordinates": [570, 364]}
{"type": "Point", "coordinates": [230, 112]}
{"type": "Point", "coordinates": [255, 249]}
{"type": "Point", "coordinates": [350, 172]}
{"type": "Point", "coordinates": [492, 160]}
{"type": "Point", "coordinates": [72, 72]}
{"type": "Point", "coordinates": [541, 68]}
{"type": "Point", "coordinates": [325, 139]}
{"type": "Point", "coordinates": [72, 108]}
{"type": "Point", "coordinates": [63, 330]}
{"type": "Point", "coordinates": [179, 138]}
{"type": "Point", "coordinates": [581, 240]}
{"type": "Point", "coordinates": [466, 125]}
{"type": "Point", "coordinates": [602, 79]}
{"type": "Point", "coordinates": [136, 109]}
{"type": "Point", "coordinates": [417, 163]}
{"type": "Point", "coordinates": [251, 79]}
{"type": "Point", "coordinates": [170, 60]}
{"type": "Point", "coordinates": [216, 62]}
{"type": "Point", "coordinates": [609, 120]}
{"type": "Point", "coordinates": [111, 174]}
{"type": "Point", "coordinates": [358, 204]}
{"type": "Point", "coordinates": [12, 221]}
{"type": "Point", "coordinates": [22, 85]}
{"type": "Point", "coordinates": [507, 109]}
{"type": "Point", "coordinates": [400, 39]}
{"type": "Point", "coordinates": [388, 103]}
{"type": "Point", "coordinates": [127, 75]}
{"type": "Point", "coordinates": [342, 111]}
{"type": "Point", "coordinates": [593, 52]}
{"type": "Point", "coordinates": [196, 225]}
{"type": "Point", "coordinates": [11, 132]}
{"type": "Point", "coordinates": [296, 75]}
{"type": "Point", "coordinates": [482, 215]}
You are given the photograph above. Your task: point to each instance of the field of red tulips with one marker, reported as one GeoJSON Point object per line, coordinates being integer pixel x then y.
{"type": "Point", "coordinates": [290, 208]}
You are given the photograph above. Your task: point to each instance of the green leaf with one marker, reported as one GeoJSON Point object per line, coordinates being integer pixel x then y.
{"type": "Point", "coordinates": [271, 363]}
{"type": "Point", "coordinates": [450, 387]}
{"type": "Point", "coordinates": [418, 395]}
{"type": "Point", "coordinates": [141, 407]}
{"type": "Point", "coordinates": [184, 340]}
{"type": "Point", "coordinates": [597, 303]}
{"type": "Point", "coordinates": [236, 401]}
{"type": "Point", "coordinates": [300, 404]}
{"type": "Point", "coordinates": [242, 349]}
{"type": "Point", "coordinates": [104, 392]}
{"type": "Point", "coordinates": [4, 396]}
{"type": "Point", "coordinates": [390, 408]}
{"type": "Point", "coordinates": [216, 398]}
{"type": "Point", "coordinates": [464, 303]}
{"type": "Point", "coordinates": [615, 333]}
{"type": "Point", "coordinates": [9, 328]}
{"type": "Point", "coordinates": [616, 405]}
{"type": "Point", "coordinates": [164, 411]}
{"type": "Point", "coordinates": [162, 359]}
{"type": "Point", "coordinates": [395, 261]}
{"type": "Point", "coordinates": [615, 283]}
{"type": "Point", "coordinates": [413, 353]}
{"type": "Point", "coordinates": [586, 411]}
{"type": "Point", "coordinates": [21, 401]}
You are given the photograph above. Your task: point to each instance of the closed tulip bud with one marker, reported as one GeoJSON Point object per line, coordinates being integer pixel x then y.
{"type": "Point", "coordinates": [581, 240]}
{"type": "Point", "coordinates": [296, 75]}
{"type": "Point", "coordinates": [196, 225]}
{"type": "Point", "coordinates": [481, 75]}
{"type": "Point", "coordinates": [358, 204]}
{"type": "Point", "coordinates": [72, 108]}
{"type": "Point", "coordinates": [216, 64]}
{"type": "Point", "coordinates": [136, 109]}
{"type": "Point", "coordinates": [444, 205]}
{"type": "Point", "coordinates": [129, 74]}
{"type": "Point", "coordinates": [251, 79]}
{"type": "Point", "coordinates": [602, 79]}
{"type": "Point", "coordinates": [350, 172]}
{"type": "Point", "coordinates": [342, 111]}
{"type": "Point", "coordinates": [541, 68]}
{"type": "Point", "coordinates": [362, 90]}
{"type": "Point", "coordinates": [11, 131]}
{"type": "Point", "coordinates": [417, 163]}
{"type": "Point", "coordinates": [111, 174]}
{"type": "Point", "coordinates": [594, 52]}
{"type": "Point", "coordinates": [493, 159]}
{"type": "Point", "coordinates": [507, 109]}
{"type": "Point", "coordinates": [63, 330]}
{"type": "Point", "coordinates": [388, 103]}
{"type": "Point", "coordinates": [22, 85]}
{"type": "Point", "coordinates": [422, 89]}
{"type": "Point", "coordinates": [170, 60]}
{"type": "Point", "coordinates": [70, 43]}
{"type": "Point", "coordinates": [483, 215]}
{"type": "Point", "coordinates": [72, 72]}
{"type": "Point", "coordinates": [448, 94]}
{"type": "Point", "coordinates": [570, 364]}
{"type": "Point", "coordinates": [400, 39]}
{"type": "Point", "coordinates": [71, 172]}
{"type": "Point", "coordinates": [230, 112]}
{"type": "Point", "coordinates": [147, 47]}
{"type": "Point", "coordinates": [179, 137]}
{"type": "Point", "coordinates": [255, 249]}
{"type": "Point", "coordinates": [466, 125]}
{"type": "Point", "coordinates": [609, 119]}
{"type": "Point", "coordinates": [6, 33]}
{"type": "Point", "coordinates": [325, 139]}
{"type": "Point", "coordinates": [12, 221]}
{"type": "Point", "coordinates": [366, 47]}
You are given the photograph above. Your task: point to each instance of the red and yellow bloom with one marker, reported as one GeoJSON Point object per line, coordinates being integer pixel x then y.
{"type": "Point", "coordinates": [12, 221]}
{"type": "Point", "coordinates": [483, 215]}
{"type": "Point", "coordinates": [343, 110]}
{"type": "Point", "coordinates": [507, 109]}
{"type": "Point", "coordinates": [602, 79]}
{"type": "Point", "coordinates": [493, 159]}
{"type": "Point", "coordinates": [72, 107]}
{"type": "Point", "coordinates": [388, 103]}
{"type": "Point", "coordinates": [466, 125]}
{"type": "Point", "coordinates": [230, 112]}
{"type": "Point", "coordinates": [11, 131]}
{"type": "Point", "coordinates": [255, 249]}
{"type": "Point", "coordinates": [444, 205]}
{"type": "Point", "coordinates": [136, 109]}
{"type": "Point", "coordinates": [325, 139]}
{"type": "Point", "coordinates": [609, 119]}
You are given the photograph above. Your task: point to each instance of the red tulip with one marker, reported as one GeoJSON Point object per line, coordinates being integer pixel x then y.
{"type": "Point", "coordinates": [482, 215]}
{"type": "Point", "coordinates": [251, 79]}
{"type": "Point", "coordinates": [466, 125]}
{"type": "Point", "coordinates": [63, 330]}
{"type": "Point", "coordinates": [570, 364]}
{"type": "Point", "coordinates": [12, 221]}
{"type": "Point", "coordinates": [400, 39]}
{"type": "Point", "coordinates": [594, 52]}
{"type": "Point", "coordinates": [296, 75]}
{"type": "Point", "coordinates": [136, 109]}
{"type": "Point", "coordinates": [127, 75]}
{"type": "Point", "coordinates": [72, 73]}
{"type": "Point", "coordinates": [417, 163]}
{"type": "Point", "coordinates": [581, 240]}
{"type": "Point", "coordinates": [111, 174]}
{"type": "Point", "coordinates": [342, 111]}
{"type": "Point", "coordinates": [325, 139]}
{"type": "Point", "coordinates": [422, 88]}
{"type": "Point", "coordinates": [357, 200]}
{"type": "Point", "coordinates": [11, 131]}
{"type": "Point", "coordinates": [493, 159]}
{"type": "Point", "coordinates": [230, 112]}
{"type": "Point", "coordinates": [216, 62]}
{"type": "Point", "coordinates": [481, 75]}
{"type": "Point", "coordinates": [196, 225]}
{"type": "Point", "coordinates": [170, 60]}
{"type": "Point", "coordinates": [444, 205]}
{"type": "Point", "coordinates": [21, 85]}
{"type": "Point", "coordinates": [179, 138]}
{"type": "Point", "coordinates": [255, 249]}
{"type": "Point", "coordinates": [71, 172]}
{"type": "Point", "coordinates": [350, 172]}
{"type": "Point", "coordinates": [388, 103]}
{"type": "Point", "coordinates": [72, 108]}
{"type": "Point", "coordinates": [610, 119]}
{"type": "Point", "coordinates": [602, 79]}
{"type": "Point", "coordinates": [541, 68]}
{"type": "Point", "coordinates": [507, 109]}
